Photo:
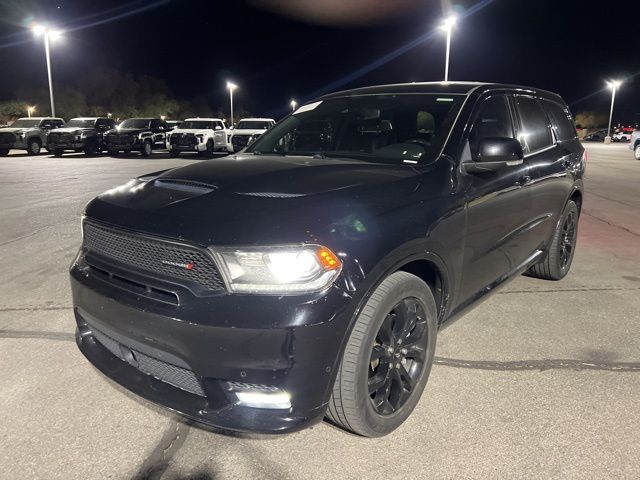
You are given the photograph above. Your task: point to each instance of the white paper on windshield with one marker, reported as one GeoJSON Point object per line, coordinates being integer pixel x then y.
{"type": "Point", "coordinates": [307, 108]}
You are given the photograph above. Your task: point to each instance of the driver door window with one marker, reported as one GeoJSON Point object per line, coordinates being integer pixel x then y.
{"type": "Point", "coordinates": [493, 121]}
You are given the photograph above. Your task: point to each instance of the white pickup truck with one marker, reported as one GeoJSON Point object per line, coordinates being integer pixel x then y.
{"type": "Point", "coordinates": [248, 130]}
{"type": "Point", "coordinates": [202, 135]}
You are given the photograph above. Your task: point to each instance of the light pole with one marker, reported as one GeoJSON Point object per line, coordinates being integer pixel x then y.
{"type": "Point", "coordinates": [613, 85]}
{"type": "Point", "coordinates": [294, 104]}
{"type": "Point", "coordinates": [231, 87]}
{"type": "Point", "coordinates": [30, 111]}
{"type": "Point", "coordinates": [447, 26]}
{"type": "Point", "coordinates": [48, 35]}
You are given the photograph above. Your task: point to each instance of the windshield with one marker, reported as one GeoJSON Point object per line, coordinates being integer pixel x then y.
{"type": "Point", "coordinates": [252, 125]}
{"type": "Point", "coordinates": [80, 123]}
{"type": "Point", "coordinates": [196, 125]}
{"type": "Point", "coordinates": [135, 123]}
{"type": "Point", "coordinates": [25, 123]}
{"type": "Point", "coordinates": [377, 128]}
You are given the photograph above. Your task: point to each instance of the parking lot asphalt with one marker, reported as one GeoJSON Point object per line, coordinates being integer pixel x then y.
{"type": "Point", "coordinates": [540, 381]}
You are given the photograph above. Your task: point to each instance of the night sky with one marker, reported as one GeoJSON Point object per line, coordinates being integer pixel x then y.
{"type": "Point", "coordinates": [570, 47]}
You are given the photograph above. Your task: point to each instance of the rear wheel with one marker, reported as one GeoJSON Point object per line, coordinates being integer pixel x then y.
{"type": "Point", "coordinates": [562, 248]}
{"type": "Point", "coordinates": [388, 358]}
{"type": "Point", "coordinates": [34, 146]}
{"type": "Point", "coordinates": [4, 152]}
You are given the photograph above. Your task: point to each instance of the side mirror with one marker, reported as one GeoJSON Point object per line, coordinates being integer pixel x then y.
{"type": "Point", "coordinates": [495, 154]}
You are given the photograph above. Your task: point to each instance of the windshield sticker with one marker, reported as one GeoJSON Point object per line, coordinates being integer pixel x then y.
{"type": "Point", "coordinates": [307, 108]}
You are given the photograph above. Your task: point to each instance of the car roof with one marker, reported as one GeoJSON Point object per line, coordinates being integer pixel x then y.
{"type": "Point", "coordinates": [257, 119]}
{"type": "Point", "coordinates": [41, 118]}
{"type": "Point", "coordinates": [89, 118]}
{"type": "Point", "coordinates": [444, 88]}
{"type": "Point", "coordinates": [203, 118]}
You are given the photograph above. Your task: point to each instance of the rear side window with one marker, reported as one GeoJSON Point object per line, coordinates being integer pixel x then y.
{"type": "Point", "coordinates": [493, 121]}
{"type": "Point", "coordinates": [535, 132]}
{"type": "Point", "coordinates": [562, 120]}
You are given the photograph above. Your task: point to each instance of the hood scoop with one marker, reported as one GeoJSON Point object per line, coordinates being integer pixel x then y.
{"type": "Point", "coordinates": [272, 194]}
{"type": "Point", "coordinates": [185, 185]}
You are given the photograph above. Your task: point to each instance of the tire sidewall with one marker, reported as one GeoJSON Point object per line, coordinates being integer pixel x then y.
{"type": "Point", "coordinates": [570, 207]}
{"type": "Point", "coordinates": [636, 152]}
{"type": "Point", "coordinates": [147, 149]}
{"type": "Point", "coordinates": [34, 147]}
{"type": "Point", "coordinates": [377, 424]}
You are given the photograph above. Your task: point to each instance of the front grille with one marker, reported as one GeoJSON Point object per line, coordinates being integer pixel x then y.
{"type": "Point", "coordinates": [239, 141]}
{"type": "Point", "coordinates": [176, 262]}
{"type": "Point", "coordinates": [57, 137]}
{"type": "Point", "coordinates": [120, 139]}
{"type": "Point", "coordinates": [7, 137]}
{"type": "Point", "coordinates": [182, 378]}
{"type": "Point", "coordinates": [188, 139]}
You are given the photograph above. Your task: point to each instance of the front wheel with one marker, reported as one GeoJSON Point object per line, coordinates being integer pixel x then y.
{"type": "Point", "coordinates": [636, 152]}
{"type": "Point", "coordinates": [388, 358]}
{"type": "Point", "coordinates": [562, 248]}
{"type": "Point", "coordinates": [147, 149]}
{"type": "Point", "coordinates": [90, 148]}
{"type": "Point", "coordinates": [34, 146]}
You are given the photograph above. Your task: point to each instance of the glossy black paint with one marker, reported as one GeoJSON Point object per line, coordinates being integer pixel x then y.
{"type": "Point", "coordinates": [464, 232]}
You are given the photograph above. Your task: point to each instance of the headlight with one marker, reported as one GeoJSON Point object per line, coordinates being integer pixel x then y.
{"type": "Point", "coordinates": [278, 270]}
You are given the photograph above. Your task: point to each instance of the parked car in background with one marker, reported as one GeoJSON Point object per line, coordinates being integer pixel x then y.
{"type": "Point", "coordinates": [137, 134]}
{"type": "Point", "coordinates": [28, 134]}
{"type": "Point", "coordinates": [173, 124]}
{"type": "Point", "coordinates": [85, 134]}
{"type": "Point", "coordinates": [309, 276]}
{"type": "Point", "coordinates": [634, 144]}
{"type": "Point", "coordinates": [247, 130]}
{"type": "Point", "coordinates": [597, 136]}
{"type": "Point", "coordinates": [622, 136]}
{"type": "Point", "coordinates": [200, 135]}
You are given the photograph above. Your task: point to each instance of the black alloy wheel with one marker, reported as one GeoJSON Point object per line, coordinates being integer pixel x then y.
{"type": "Point", "coordinates": [568, 239]}
{"type": "Point", "coordinates": [398, 356]}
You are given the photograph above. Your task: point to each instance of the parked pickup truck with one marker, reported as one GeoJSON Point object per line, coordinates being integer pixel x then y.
{"type": "Point", "coordinates": [248, 130]}
{"type": "Point", "coordinates": [137, 134]}
{"type": "Point", "coordinates": [80, 135]}
{"type": "Point", "coordinates": [201, 135]}
{"type": "Point", "coordinates": [28, 134]}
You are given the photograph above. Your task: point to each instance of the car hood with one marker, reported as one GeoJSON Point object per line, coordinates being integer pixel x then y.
{"type": "Point", "coordinates": [14, 130]}
{"type": "Point", "coordinates": [249, 199]}
{"type": "Point", "coordinates": [131, 131]}
{"type": "Point", "coordinates": [71, 129]}
{"type": "Point", "coordinates": [246, 131]}
{"type": "Point", "coordinates": [194, 131]}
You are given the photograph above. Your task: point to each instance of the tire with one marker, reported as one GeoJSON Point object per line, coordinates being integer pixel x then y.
{"type": "Point", "coordinates": [147, 149]}
{"type": "Point", "coordinates": [373, 347]}
{"type": "Point", "coordinates": [57, 152]}
{"type": "Point", "coordinates": [34, 146]}
{"type": "Point", "coordinates": [636, 151]}
{"type": "Point", "coordinates": [90, 148]}
{"type": "Point", "coordinates": [174, 153]}
{"type": "Point", "coordinates": [4, 152]}
{"type": "Point", "coordinates": [562, 247]}
{"type": "Point", "coordinates": [209, 152]}
{"type": "Point", "coordinates": [113, 153]}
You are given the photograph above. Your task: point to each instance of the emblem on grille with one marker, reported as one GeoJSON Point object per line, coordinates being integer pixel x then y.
{"type": "Point", "coordinates": [186, 266]}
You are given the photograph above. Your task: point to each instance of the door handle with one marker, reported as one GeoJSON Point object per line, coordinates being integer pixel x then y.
{"type": "Point", "coordinates": [524, 180]}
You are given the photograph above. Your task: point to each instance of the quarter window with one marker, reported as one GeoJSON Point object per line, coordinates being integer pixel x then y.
{"type": "Point", "coordinates": [493, 121]}
{"type": "Point", "coordinates": [562, 120]}
{"type": "Point", "coordinates": [535, 132]}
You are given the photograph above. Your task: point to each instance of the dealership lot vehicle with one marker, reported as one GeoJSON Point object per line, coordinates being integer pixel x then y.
{"type": "Point", "coordinates": [597, 136]}
{"type": "Point", "coordinates": [137, 134]}
{"type": "Point", "coordinates": [28, 134]}
{"type": "Point", "coordinates": [200, 135]}
{"type": "Point", "coordinates": [634, 144]}
{"type": "Point", "coordinates": [84, 134]}
{"type": "Point", "coordinates": [339, 302]}
{"type": "Point", "coordinates": [623, 136]}
{"type": "Point", "coordinates": [248, 130]}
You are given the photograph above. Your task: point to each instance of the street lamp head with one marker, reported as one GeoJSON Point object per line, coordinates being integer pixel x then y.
{"type": "Point", "coordinates": [231, 86]}
{"type": "Point", "coordinates": [38, 29]}
{"type": "Point", "coordinates": [293, 104]}
{"type": "Point", "coordinates": [448, 23]}
{"type": "Point", "coordinates": [54, 34]}
{"type": "Point", "coordinates": [614, 84]}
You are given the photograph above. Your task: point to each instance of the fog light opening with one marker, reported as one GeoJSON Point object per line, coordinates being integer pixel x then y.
{"type": "Point", "coordinates": [260, 396]}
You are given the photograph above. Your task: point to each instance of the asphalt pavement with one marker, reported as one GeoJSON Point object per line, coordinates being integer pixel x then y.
{"type": "Point", "coordinates": [540, 381]}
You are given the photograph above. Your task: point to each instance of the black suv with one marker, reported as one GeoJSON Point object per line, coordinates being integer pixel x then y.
{"type": "Point", "coordinates": [80, 135]}
{"type": "Point", "coordinates": [309, 276]}
{"type": "Point", "coordinates": [137, 134]}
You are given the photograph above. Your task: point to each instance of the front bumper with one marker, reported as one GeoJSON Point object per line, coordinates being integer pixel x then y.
{"type": "Point", "coordinates": [288, 344]}
{"type": "Point", "coordinates": [66, 145]}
